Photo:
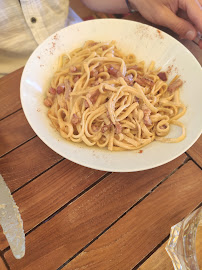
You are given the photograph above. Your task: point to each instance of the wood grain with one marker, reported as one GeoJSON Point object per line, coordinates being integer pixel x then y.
{"type": "Point", "coordinates": [10, 94]}
{"type": "Point", "coordinates": [54, 242]}
{"type": "Point", "coordinates": [14, 130]}
{"type": "Point", "coordinates": [50, 191]}
{"type": "Point", "coordinates": [2, 265]}
{"type": "Point", "coordinates": [131, 238]}
{"type": "Point", "coordinates": [196, 151]}
{"type": "Point", "coordinates": [26, 162]}
{"type": "Point", "coordinates": [126, 243]}
{"type": "Point", "coordinates": [159, 260]}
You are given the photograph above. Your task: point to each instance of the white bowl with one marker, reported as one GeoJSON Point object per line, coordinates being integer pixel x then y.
{"type": "Point", "coordinates": [147, 43]}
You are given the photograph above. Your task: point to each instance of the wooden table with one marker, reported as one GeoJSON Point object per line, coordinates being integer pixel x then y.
{"type": "Point", "coordinates": [79, 218]}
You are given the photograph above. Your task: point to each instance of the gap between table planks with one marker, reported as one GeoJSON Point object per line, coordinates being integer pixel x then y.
{"type": "Point", "coordinates": [38, 156]}
{"type": "Point", "coordinates": [10, 102]}
{"type": "Point", "coordinates": [15, 131]}
{"type": "Point", "coordinates": [61, 184]}
{"type": "Point", "coordinates": [161, 260]}
{"type": "Point", "coordinates": [29, 142]}
{"type": "Point", "coordinates": [195, 152]}
{"type": "Point", "coordinates": [14, 107]}
{"type": "Point", "coordinates": [167, 205]}
{"type": "Point", "coordinates": [82, 220]}
{"type": "Point", "coordinates": [11, 124]}
{"type": "Point", "coordinates": [12, 166]}
{"type": "Point", "coordinates": [28, 151]}
{"type": "Point", "coordinates": [2, 264]}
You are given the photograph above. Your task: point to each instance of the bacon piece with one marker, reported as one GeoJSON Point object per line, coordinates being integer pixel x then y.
{"type": "Point", "coordinates": [118, 128]}
{"type": "Point", "coordinates": [104, 47]}
{"type": "Point", "coordinates": [145, 109]}
{"type": "Point", "coordinates": [60, 89]}
{"type": "Point", "coordinates": [92, 44]}
{"type": "Point", "coordinates": [95, 83]}
{"type": "Point", "coordinates": [52, 91]}
{"type": "Point", "coordinates": [129, 79]}
{"type": "Point", "coordinates": [143, 81]}
{"type": "Point", "coordinates": [75, 119]}
{"type": "Point", "coordinates": [48, 102]}
{"type": "Point", "coordinates": [135, 67]}
{"type": "Point", "coordinates": [105, 128]}
{"type": "Point", "coordinates": [63, 115]}
{"type": "Point", "coordinates": [147, 113]}
{"type": "Point", "coordinates": [93, 97]}
{"type": "Point", "coordinates": [147, 120]}
{"type": "Point", "coordinates": [68, 89]}
{"type": "Point", "coordinates": [95, 128]}
{"type": "Point", "coordinates": [163, 127]}
{"type": "Point", "coordinates": [72, 69]}
{"type": "Point", "coordinates": [162, 76]}
{"type": "Point", "coordinates": [86, 104]}
{"type": "Point", "coordinates": [175, 85]}
{"type": "Point", "coordinates": [137, 99]}
{"type": "Point", "coordinates": [93, 73]}
{"type": "Point", "coordinates": [76, 78]}
{"type": "Point", "coordinates": [114, 71]}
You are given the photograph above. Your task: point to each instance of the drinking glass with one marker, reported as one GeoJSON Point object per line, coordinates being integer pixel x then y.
{"type": "Point", "coordinates": [185, 243]}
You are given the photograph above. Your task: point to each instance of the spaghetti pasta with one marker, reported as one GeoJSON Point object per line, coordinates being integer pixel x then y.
{"type": "Point", "coordinates": [100, 96]}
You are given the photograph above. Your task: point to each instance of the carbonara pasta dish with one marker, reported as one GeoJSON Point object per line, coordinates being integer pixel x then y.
{"type": "Point", "coordinates": [101, 96]}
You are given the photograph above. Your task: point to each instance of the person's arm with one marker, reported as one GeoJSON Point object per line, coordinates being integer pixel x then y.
{"type": "Point", "coordinates": [161, 12]}
{"type": "Point", "coordinates": [107, 6]}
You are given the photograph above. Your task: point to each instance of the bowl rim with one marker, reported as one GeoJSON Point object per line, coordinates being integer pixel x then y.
{"type": "Point", "coordinates": [96, 166]}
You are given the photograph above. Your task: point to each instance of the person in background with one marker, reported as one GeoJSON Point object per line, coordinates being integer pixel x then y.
{"type": "Point", "coordinates": [24, 24]}
{"type": "Point", "coordinates": [160, 12]}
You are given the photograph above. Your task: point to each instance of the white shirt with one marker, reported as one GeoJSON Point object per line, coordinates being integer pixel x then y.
{"type": "Point", "coordinates": [24, 24]}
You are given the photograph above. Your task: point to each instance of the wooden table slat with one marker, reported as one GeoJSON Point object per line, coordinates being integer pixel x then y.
{"type": "Point", "coordinates": [81, 221]}
{"type": "Point", "coordinates": [10, 94]}
{"type": "Point", "coordinates": [26, 162]}
{"type": "Point", "coordinates": [14, 130]}
{"type": "Point", "coordinates": [125, 244]}
{"type": "Point", "coordinates": [50, 191]}
{"type": "Point", "coordinates": [159, 260]}
{"type": "Point", "coordinates": [95, 205]}
{"type": "Point", "coordinates": [196, 151]}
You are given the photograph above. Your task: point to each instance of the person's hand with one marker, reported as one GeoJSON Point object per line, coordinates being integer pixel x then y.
{"type": "Point", "coordinates": [163, 12]}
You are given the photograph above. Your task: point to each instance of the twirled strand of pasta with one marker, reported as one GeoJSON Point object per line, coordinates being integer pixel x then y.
{"type": "Point", "coordinates": [100, 96]}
